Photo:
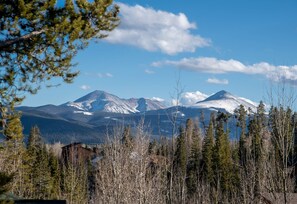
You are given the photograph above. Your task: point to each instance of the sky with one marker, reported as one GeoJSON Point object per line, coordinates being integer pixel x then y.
{"type": "Point", "coordinates": [161, 46]}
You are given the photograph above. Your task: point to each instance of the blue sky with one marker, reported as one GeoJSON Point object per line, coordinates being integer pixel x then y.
{"type": "Point", "coordinates": [241, 46]}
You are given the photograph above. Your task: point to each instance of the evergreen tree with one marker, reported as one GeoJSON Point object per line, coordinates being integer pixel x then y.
{"type": "Point", "coordinates": [40, 175]}
{"type": "Point", "coordinates": [189, 135]}
{"type": "Point", "coordinates": [194, 161]}
{"type": "Point", "coordinates": [222, 157]}
{"type": "Point", "coordinates": [55, 175]}
{"type": "Point", "coordinates": [207, 153]}
{"type": "Point", "coordinates": [14, 155]}
{"type": "Point", "coordinates": [34, 140]}
{"type": "Point", "coordinates": [256, 131]}
{"type": "Point", "coordinates": [43, 37]}
{"type": "Point", "coordinates": [180, 166]}
{"type": "Point", "coordinates": [241, 114]}
{"type": "Point", "coordinates": [14, 130]}
{"type": "Point", "coordinates": [181, 153]}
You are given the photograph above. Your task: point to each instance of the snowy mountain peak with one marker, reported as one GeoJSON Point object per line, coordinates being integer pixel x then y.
{"type": "Point", "coordinates": [220, 95]}
{"type": "Point", "coordinates": [93, 96]}
{"type": "Point", "coordinates": [106, 102]}
{"type": "Point", "coordinates": [224, 100]}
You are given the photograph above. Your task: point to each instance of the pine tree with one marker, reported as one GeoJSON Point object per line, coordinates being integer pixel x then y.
{"type": "Point", "coordinates": [222, 157]}
{"type": "Point", "coordinates": [241, 114]}
{"type": "Point", "coordinates": [14, 155]}
{"type": "Point", "coordinates": [43, 38]}
{"type": "Point", "coordinates": [256, 131]}
{"type": "Point", "coordinates": [34, 140]}
{"type": "Point", "coordinates": [207, 153]}
{"type": "Point", "coordinates": [189, 135]}
{"type": "Point", "coordinates": [14, 130]}
{"type": "Point", "coordinates": [55, 175]}
{"type": "Point", "coordinates": [180, 166]}
{"type": "Point", "coordinates": [40, 174]}
{"type": "Point", "coordinates": [193, 174]}
{"type": "Point", "coordinates": [181, 153]}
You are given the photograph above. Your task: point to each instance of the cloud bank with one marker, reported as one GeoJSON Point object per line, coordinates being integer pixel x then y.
{"type": "Point", "coordinates": [156, 30]}
{"type": "Point", "coordinates": [217, 66]}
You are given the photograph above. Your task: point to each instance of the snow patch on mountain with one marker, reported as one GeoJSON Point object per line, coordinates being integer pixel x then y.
{"type": "Point", "coordinates": [83, 112]}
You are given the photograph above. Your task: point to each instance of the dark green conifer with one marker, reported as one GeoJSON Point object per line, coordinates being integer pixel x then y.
{"type": "Point", "coordinates": [193, 174]}
{"type": "Point", "coordinates": [222, 156]}
{"type": "Point", "coordinates": [241, 114]}
{"type": "Point", "coordinates": [207, 153]}
{"type": "Point", "coordinates": [181, 153]}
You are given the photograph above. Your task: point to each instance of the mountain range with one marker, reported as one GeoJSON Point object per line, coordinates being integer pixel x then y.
{"type": "Point", "coordinates": [89, 118]}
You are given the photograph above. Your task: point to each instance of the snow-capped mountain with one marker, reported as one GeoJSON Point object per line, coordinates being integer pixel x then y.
{"type": "Point", "coordinates": [226, 101]}
{"type": "Point", "coordinates": [88, 118]}
{"type": "Point", "coordinates": [106, 102]}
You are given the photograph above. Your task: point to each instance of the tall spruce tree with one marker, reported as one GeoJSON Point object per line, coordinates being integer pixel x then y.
{"type": "Point", "coordinates": [180, 166]}
{"type": "Point", "coordinates": [241, 115]}
{"type": "Point", "coordinates": [55, 176]}
{"type": "Point", "coordinates": [193, 170]}
{"type": "Point", "coordinates": [181, 153]}
{"type": "Point", "coordinates": [256, 130]}
{"type": "Point", "coordinates": [40, 175]}
{"type": "Point", "coordinates": [207, 153]}
{"type": "Point", "coordinates": [223, 157]}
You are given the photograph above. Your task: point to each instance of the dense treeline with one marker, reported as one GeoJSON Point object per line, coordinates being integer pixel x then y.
{"type": "Point", "coordinates": [196, 166]}
{"type": "Point", "coordinates": [36, 171]}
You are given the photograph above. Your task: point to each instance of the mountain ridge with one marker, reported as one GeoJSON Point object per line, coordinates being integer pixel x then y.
{"type": "Point", "coordinates": [90, 117]}
{"type": "Point", "coordinates": [106, 102]}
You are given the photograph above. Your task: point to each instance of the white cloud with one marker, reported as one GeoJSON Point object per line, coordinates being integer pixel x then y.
{"type": "Point", "coordinates": [104, 75]}
{"type": "Point", "coordinates": [156, 30]}
{"type": "Point", "coordinates": [217, 81]}
{"type": "Point", "coordinates": [148, 71]}
{"type": "Point", "coordinates": [85, 87]}
{"type": "Point", "coordinates": [190, 98]}
{"type": "Point", "coordinates": [217, 66]}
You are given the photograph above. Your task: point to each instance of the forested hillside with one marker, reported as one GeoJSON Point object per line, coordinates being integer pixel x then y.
{"type": "Point", "coordinates": [197, 165]}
